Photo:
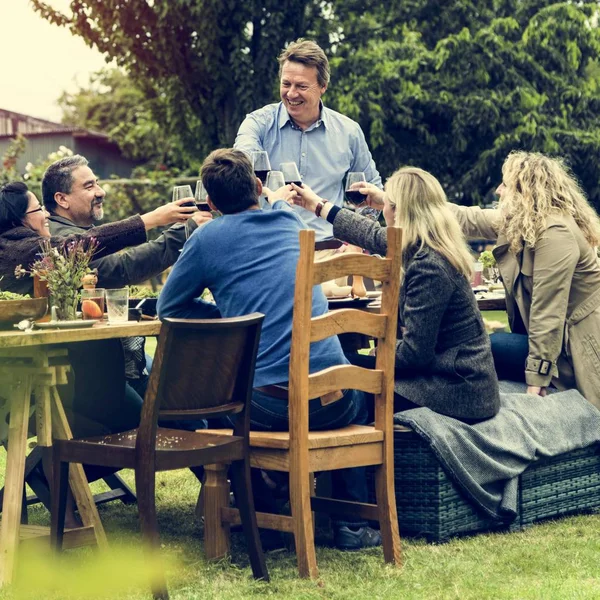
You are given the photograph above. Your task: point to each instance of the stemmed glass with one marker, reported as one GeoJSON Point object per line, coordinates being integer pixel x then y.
{"type": "Point", "coordinates": [275, 180]}
{"type": "Point", "coordinates": [291, 173]}
{"type": "Point", "coordinates": [354, 196]}
{"type": "Point", "coordinates": [200, 196]}
{"type": "Point", "coordinates": [262, 166]}
{"type": "Point", "coordinates": [184, 191]}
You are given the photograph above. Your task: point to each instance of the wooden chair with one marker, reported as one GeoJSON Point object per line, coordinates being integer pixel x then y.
{"type": "Point", "coordinates": [301, 452]}
{"type": "Point", "coordinates": [202, 368]}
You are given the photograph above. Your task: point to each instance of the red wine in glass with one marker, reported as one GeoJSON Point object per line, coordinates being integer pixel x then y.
{"type": "Point", "coordinates": [203, 206]}
{"type": "Point", "coordinates": [291, 173]}
{"type": "Point", "coordinates": [262, 174]}
{"type": "Point", "coordinates": [355, 197]}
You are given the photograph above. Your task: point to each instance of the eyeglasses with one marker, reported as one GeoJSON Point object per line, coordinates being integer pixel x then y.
{"type": "Point", "coordinates": [34, 210]}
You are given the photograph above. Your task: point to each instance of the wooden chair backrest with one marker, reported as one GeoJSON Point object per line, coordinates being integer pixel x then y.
{"type": "Point", "coordinates": [382, 327]}
{"type": "Point", "coordinates": [202, 367]}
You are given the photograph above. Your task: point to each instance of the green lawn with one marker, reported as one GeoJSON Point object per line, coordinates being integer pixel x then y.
{"type": "Point", "coordinates": [556, 560]}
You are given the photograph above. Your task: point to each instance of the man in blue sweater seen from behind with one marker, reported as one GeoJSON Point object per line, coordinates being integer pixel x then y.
{"type": "Point", "coordinates": [247, 258]}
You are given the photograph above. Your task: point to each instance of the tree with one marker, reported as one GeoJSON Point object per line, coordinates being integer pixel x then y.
{"type": "Point", "coordinates": [212, 59]}
{"type": "Point", "coordinates": [132, 118]}
{"type": "Point", "coordinates": [458, 107]}
{"type": "Point", "coordinates": [449, 85]}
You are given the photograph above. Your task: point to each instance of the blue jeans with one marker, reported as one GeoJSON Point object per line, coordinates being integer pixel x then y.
{"type": "Point", "coordinates": [271, 414]}
{"type": "Point", "coordinates": [510, 351]}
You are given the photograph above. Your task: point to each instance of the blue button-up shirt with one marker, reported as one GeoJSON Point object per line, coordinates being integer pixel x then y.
{"type": "Point", "coordinates": [325, 152]}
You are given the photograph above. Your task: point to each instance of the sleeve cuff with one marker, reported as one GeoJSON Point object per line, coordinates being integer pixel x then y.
{"type": "Point", "coordinates": [333, 211]}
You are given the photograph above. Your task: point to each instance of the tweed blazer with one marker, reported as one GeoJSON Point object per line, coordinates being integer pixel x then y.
{"type": "Point", "coordinates": [443, 359]}
{"type": "Point", "coordinates": [553, 295]}
{"type": "Point", "coordinates": [21, 246]}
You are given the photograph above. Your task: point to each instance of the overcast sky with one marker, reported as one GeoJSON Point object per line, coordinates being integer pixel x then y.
{"type": "Point", "coordinates": [40, 60]}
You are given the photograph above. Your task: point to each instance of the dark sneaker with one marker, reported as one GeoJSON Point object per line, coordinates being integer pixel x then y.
{"type": "Point", "coordinates": [350, 539]}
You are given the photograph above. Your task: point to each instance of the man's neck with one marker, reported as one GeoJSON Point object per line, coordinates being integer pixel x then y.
{"type": "Point", "coordinates": [65, 214]}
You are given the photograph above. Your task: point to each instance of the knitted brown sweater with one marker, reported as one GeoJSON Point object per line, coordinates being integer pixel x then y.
{"type": "Point", "coordinates": [21, 245]}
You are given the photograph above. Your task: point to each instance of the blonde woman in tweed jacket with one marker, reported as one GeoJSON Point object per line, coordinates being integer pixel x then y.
{"type": "Point", "coordinates": [443, 355]}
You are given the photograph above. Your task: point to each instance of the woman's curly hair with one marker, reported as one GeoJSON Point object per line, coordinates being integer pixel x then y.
{"type": "Point", "coordinates": [536, 187]}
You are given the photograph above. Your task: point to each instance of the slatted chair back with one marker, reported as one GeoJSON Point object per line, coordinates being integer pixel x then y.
{"type": "Point", "coordinates": [202, 368]}
{"type": "Point", "coordinates": [383, 327]}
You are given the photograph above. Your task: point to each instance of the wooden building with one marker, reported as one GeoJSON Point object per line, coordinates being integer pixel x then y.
{"type": "Point", "coordinates": [43, 137]}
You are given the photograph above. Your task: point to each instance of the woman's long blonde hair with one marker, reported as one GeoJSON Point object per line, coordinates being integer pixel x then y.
{"type": "Point", "coordinates": [423, 213]}
{"type": "Point", "coordinates": [535, 188]}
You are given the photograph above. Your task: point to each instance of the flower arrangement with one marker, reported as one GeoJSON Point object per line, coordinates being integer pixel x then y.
{"type": "Point", "coordinates": [63, 269]}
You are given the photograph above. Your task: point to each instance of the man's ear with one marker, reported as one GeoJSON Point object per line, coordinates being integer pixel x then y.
{"type": "Point", "coordinates": [61, 200]}
{"type": "Point", "coordinates": [259, 186]}
{"type": "Point", "coordinates": [210, 203]}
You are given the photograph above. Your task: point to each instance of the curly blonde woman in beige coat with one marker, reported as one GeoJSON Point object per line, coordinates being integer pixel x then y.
{"type": "Point", "coordinates": [547, 235]}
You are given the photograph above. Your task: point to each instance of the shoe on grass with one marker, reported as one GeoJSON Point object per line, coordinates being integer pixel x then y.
{"type": "Point", "coordinates": [356, 539]}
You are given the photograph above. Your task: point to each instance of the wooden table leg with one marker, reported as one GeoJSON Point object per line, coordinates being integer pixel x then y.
{"type": "Point", "coordinates": [20, 397]}
{"type": "Point", "coordinates": [77, 479]}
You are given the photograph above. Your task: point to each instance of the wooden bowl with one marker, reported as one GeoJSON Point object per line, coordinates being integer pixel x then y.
{"type": "Point", "coordinates": [13, 311]}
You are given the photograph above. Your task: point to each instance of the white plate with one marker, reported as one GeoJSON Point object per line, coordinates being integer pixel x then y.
{"type": "Point", "coordinates": [67, 324]}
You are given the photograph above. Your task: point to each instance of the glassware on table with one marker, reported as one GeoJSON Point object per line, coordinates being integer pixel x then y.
{"type": "Point", "coordinates": [261, 164]}
{"type": "Point", "coordinates": [183, 191]}
{"type": "Point", "coordinates": [92, 303]}
{"type": "Point", "coordinates": [477, 278]}
{"type": "Point", "coordinates": [200, 196]}
{"type": "Point", "coordinates": [117, 305]}
{"type": "Point", "coordinates": [290, 173]}
{"type": "Point", "coordinates": [354, 196]}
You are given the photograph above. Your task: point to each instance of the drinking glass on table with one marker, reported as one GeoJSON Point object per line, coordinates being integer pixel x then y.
{"type": "Point", "coordinates": [92, 303]}
{"type": "Point", "coordinates": [117, 305]}
{"type": "Point", "coordinates": [354, 196]}
{"type": "Point", "coordinates": [290, 173]}
{"type": "Point", "coordinates": [262, 166]}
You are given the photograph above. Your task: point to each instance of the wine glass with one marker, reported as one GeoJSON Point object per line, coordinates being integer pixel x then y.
{"type": "Point", "coordinates": [290, 173]}
{"type": "Point", "coordinates": [354, 196]}
{"type": "Point", "coordinates": [262, 166]}
{"type": "Point", "coordinates": [200, 196]}
{"type": "Point", "coordinates": [183, 191]}
{"type": "Point", "coordinates": [275, 180]}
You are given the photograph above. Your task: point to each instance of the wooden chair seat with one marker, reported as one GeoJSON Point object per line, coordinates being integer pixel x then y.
{"type": "Point", "coordinates": [173, 447]}
{"type": "Point", "coordinates": [346, 436]}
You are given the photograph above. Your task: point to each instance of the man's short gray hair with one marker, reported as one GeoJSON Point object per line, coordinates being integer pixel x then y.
{"type": "Point", "coordinates": [308, 53]}
{"type": "Point", "coordinates": [58, 178]}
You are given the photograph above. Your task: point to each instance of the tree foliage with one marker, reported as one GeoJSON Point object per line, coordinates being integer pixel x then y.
{"type": "Point", "coordinates": [132, 118]}
{"type": "Point", "coordinates": [448, 85]}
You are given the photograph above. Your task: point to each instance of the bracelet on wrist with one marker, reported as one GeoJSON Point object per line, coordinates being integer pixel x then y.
{"type": "Point", "coordinates": [319, 207]}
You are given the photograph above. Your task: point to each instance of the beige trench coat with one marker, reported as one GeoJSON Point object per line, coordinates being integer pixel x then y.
{"type": "Point", "coordinates": [555, 289]}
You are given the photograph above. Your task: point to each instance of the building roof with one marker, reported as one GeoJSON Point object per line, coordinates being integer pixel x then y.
{"type": "Point", "coordinates": [13, 123]}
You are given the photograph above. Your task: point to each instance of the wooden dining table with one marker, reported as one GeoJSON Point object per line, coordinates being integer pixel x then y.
{"type": "Point", "coordinates": [36, 362]}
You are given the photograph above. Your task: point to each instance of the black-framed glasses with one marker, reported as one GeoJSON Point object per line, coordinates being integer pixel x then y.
{"type": "Point", "coordinates": [34, 210]}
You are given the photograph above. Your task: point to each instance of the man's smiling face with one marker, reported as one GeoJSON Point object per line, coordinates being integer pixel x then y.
{"type": "Point", "coordinates": [301, 93]}
{"type": "Point", "coordinates": [86, 197]}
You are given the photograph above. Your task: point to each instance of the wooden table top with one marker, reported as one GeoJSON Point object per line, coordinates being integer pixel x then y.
{"type": "Point", "coordinates": [100, 331]}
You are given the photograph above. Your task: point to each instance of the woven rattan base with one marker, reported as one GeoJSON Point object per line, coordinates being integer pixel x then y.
{"type": "Point", "coordinates": [431, 506]}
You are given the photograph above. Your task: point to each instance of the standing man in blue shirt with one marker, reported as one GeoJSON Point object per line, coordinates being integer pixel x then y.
{"type": "Point", "coordinates": [322, 142]}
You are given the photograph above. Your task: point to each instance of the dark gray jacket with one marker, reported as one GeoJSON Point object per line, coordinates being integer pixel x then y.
{"type": "Point", "coordinates": [134, 265]}
{"type": "Point", "coordinates": [444, 360]}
